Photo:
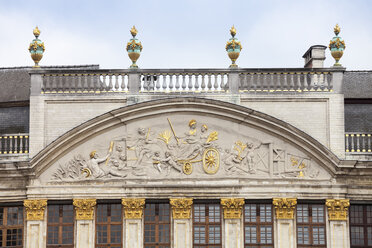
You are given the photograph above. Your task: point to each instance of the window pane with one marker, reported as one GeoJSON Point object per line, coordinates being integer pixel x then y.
{"type": "Point", "coordinates": [116, 212]}
{"type": "Point", "coordinates": [15, 216]}
{"type": "Point", "coordinates": [13, 237]}
{"type": "Point", "coordinates": [52, 234]}
{"type": "Point", "coordinates": [356, 214]}
{"type": "Point", "coordinates": [302, 213]}
{"type": "Point", "coordinates": [68, 214]}
{"type": "Point", "coordinates": [317, 213]}
{"type": "Point", "coordinates": [150, 212]}
{"type": "Point", "coordinates": [164, 212]}
{"type": "Point", "coordinates": [199, 235]}
{"type": "Point", "coordinates": [150, 233]}
{"type": "Point", "coordinates": [164, 233]}
{"type": "Point", "coordinates": [101, 234]}
{"type": "Point", "coordinates": [214, 235]}
{"type": "Point", "coordinates": [214, 213]}
{"type": "Point", "coordinates": [199, 213]}
{"type": "Point", "coordinates": [303, 235]}
{"type": "Point", "coordinates": [357, 235]}
{"type": "Point", "coordinates": [102, 212]}
{"type": "Point", "coordinates": [318, 236]}
{"type": "Point", "coordinates": [250, 213]}
{"type": "Point", "coordinates": [265, 213]}
{"type": "Point", "coordinates": [250, 235]}
{"type": "Point", "coordinates": [1, 216]}
{"type": "Point", "coordinates": [266, 233]}
{"type": "Point", "coordinates": [67, 235]}
{"type": "Point", "coordinates": [115, 234]}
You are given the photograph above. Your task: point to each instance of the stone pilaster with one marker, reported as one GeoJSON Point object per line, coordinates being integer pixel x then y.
{"type": "Point", "coordinates": [36, 224]}
{"type": "Point", "coordinates": [182, 223]}
{"type": "Point", "coordinates": [338, 229]}
{"type": "Point", "coordinates": [85, 231]}
{"type": "Point", "coordinates": [284, 223]}
{"type": "Point", "coordinates": [133, 231]}
{"type": "Point", "coordinates": [232, 213]}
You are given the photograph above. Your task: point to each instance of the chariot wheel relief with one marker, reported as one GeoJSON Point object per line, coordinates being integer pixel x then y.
{"type": "Point", "coordinates": [211, 160]}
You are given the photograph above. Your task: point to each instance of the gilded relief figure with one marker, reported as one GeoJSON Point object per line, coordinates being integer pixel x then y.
{"type": "Point", "coordinates": [142, 146]}
{"type": "Point", "coordinates": [96, 171]}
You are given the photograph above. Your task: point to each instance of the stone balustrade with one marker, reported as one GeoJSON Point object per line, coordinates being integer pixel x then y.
{"type": "Point", "coordinates": [358, 142]}
{"type": "Point", "coordinates": [186, 80]}
{"type": "Point", "coordinates": [14, 144]}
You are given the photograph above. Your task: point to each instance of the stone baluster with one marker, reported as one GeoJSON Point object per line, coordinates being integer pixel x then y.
{"type": "Point", "coordinates": [78, 83]}
{"type": "Point", "coordinates": [312, 81]}
{"type": "Point", "coordinates": [338, 223]}
{"type": "Point", "coordinates": [224, 85]}
{"type": "Point", "coordinates": [171, 85]}
{"type": "Point", "coordinates": [242, 81]}
{"type": "Point", "coordinates": [164, 84]}
{"type": "Point", "coordinates": [177, 82]}
{"type": "Point", "coordinates": [251, 84]}
{"type": "Point", "coordinates": [133, 212]}
{"type": "Point", "coordinates": [27, 144]}
{"type": "Point", "coordinates": [152, 84]}
{"type": "Point", "coordinates": [84, 216]}
{"type": "Point", "coordinates": [216, 84]}
{"type": "Point", "coordinates": [369, 143]}
{"type": "Point", "coordinates": [15, 143]}
{"type": "Point", "coordinates": [115, 82]}
{"type": "Point", "coordinates": [103, 77]}
{"type": "Point", "coordinates": [35, 231]}
{"type": "Point", "coordinates": [157, 85]}
{"type": "Point", "coordinates": [203, 84]}
{"type": "Point", "coordinates": [21, 148]}
{"type": "Point", "coordinates": [298, 85]}
{"type": "Point", "coordinates": [209, 84]}
{"type": "Point", "coordinates": [92, 83]}
{"type": "Point", "coordinates": [347, 149]}
{"type": "Point", "coordinates": [10, 150]}
{"type": "Point", "coordinates": [364, 145]}
{"type": "Point", "coordinates": [1, 145]}
{"type": "Point", "coordinates": [5, 144]}
{"type": "Point", "coordinates": [189, 85]}
{"type": "Point", "coordinates": [357, 142]}
{"type": "Point", "coordinates": [183, 81]}
{"type": "Point", "coordinates": [197, 85]}
{"type": "Point", "coordinates": [110, 85]}
{"type": "Point", "coordinates": [285, 224]}
{"type": "Point", "coordinates": [291, 81]}
{"type": "Point", "coordinates": [182, 223]}
{"type": "Point", "coordinates": [232, 213]}
{"type": "Point", "coordinates": [285, 85]}
{"type": "Point", "coordinates": [352, 143]}
{"type": "Point", "coordinates": [146, 82]}
{"type": "Point", "coordinates": [330, 81]}
{"type": "Point", "coordinates": [123, 83]}
{"type": "Point", "coordinates": [306, 86]}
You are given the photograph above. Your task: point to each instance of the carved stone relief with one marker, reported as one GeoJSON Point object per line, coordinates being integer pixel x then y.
{"type": "Point", "coordinates": [188, 150]}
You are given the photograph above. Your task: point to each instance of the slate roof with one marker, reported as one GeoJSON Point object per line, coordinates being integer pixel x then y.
{"type": "Point", "coordinates": [357, 84]}
{"type": "Point", "coordinates": [15, 81]}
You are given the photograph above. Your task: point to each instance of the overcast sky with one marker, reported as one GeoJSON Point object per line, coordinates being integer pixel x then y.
{"type": "Point", "coordinates": [184, 34]}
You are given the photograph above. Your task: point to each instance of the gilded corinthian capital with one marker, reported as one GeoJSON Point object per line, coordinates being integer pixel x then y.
{"type": "Point", "coordinates": [232, 208]}
{"type": "Point", "coordinates": [133, 207]}
{"type": "Point", "coordinates": [84, 208]}
{"type": "Point", "coordinates": [284, 207]}
{"type": "Point", "coordinates": [337, 208]}
{"type": "Point", "coordinates": [181, 208]}
{"type": "Point", "coordinates": [35, 209]}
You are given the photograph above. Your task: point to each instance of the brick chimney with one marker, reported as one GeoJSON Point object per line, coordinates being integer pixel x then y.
{"type": "Point", "coordinates": [315, 56]}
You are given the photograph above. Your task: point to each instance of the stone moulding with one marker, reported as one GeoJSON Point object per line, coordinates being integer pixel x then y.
{"type": "Point", "coordinates": [284, 207]}
{"type": "Point", "coordinates": [84, 208]}
{"type": "Point", "coordinates": [181, 208]}
{"type": "Point", "coordinates": [337, 208]}
{"type": "Point", "coordinates": [232, 208]}
{"type": "Point", "coordinates": [35, 209]}
{"type": "Point", "coordinates": [133, 207]}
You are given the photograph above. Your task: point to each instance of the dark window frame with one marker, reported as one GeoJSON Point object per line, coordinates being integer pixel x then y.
{"type": "Point", "coordinates": [109, 224]}
{"type": "Point", "coordinates": [311, 224]}
{"type": "Point", "coordinates": [60, 225]}
{"type": "Point", "coordinates": [5, 228]}
{"type": "Point", "coordinates": [258, 224]}
{"type": "Point", "coordinates": [157, 223]}
{"type": "Point", "coordinates": [207, 223]}
{"type": "Point", "coordinates": [364, 225]}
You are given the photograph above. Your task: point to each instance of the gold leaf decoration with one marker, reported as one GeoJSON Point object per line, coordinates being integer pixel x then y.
{"type": "Point", "coordinates": [84, 208]}
{"type": "Point", "coordinates": [181, 208]}
{"type": "Point", "coordinates": [35, 209]}
{"type": "Point", "coordinates": [232, 208]}
{"type": "Point", "coordinates": [337, 208]}
{"type": "Point", "coordinates": [284, 207]}
{"type": "Point", "coordinates": [133, 207]}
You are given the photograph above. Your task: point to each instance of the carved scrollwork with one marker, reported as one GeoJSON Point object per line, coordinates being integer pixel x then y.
{"type": "Point", "coordinates": [232, 208]}
{"type": "Point", "coordinates": [84, 208]}
{"type": "Point", "coordinates": [35, 209]}
{"type": "Point", "coordinates": [181, 208]}
{"type": "Point", "coordinates": [337, 208]}
{"type": "Point", "coordinates": [133, 207]}
{"type": "Point", "coordinates": [284, 207]}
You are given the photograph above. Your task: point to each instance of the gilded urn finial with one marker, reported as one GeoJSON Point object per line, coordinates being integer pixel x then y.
{"type": "Point", "coordinates": [337, 46]}
{"type": "Point", "coordinates": [134, 47]}
{"type": "Point", "coordinates": [36, 48]}
{"type": "Point", "coordinates": [233, 48]}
